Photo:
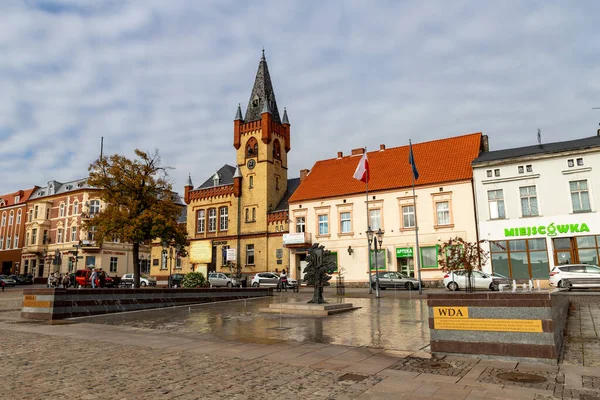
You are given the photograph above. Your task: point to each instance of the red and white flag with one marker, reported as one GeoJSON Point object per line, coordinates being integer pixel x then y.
{"type": "Point", "coordinates": [362, 170]}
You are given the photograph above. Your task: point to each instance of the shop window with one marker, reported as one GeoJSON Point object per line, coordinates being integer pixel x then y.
{"type": "Point", "coordinates": [333, 258]}
{"type": "Point", "coordinates": [580, 196]}
{"type": "Point", "coordinates": [429, 257]}
{"type": "Point", "coordinates": [381, 262]}
{"type": "Point", "coordinates": [496, 204]}
{"type": "Point", "coordinates": [520, 259]}
{"type": "Point", "coordinates": [587, 249]}
{"type": "Point", "coordinates": [529, 206]}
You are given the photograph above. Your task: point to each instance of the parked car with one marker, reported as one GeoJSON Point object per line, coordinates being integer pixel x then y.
{"type": "Point", "coordinates": [270, 279]}
{"type": "Point", "coordinates": [82, 279]}
{"type": "Point", "coordinates": [176, 279]}
{"type": "Point", "coordinates": [395, 280]}
{"type": "Point", "coordinates": [8, 281]}
{"type": "Point", "coordinates": [22, 279]}
{"type": "Point", "coordinates": [561, 272]}
{"type": "Point", "coordinates": [219, 279]}
{"type": "Point", "coordinates": [457, 280]}
{"type": "Point", "coordinates": [145, 280]}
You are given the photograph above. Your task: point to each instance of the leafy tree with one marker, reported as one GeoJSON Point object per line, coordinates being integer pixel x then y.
{"type": "Point", "coordinates": [139, 203]}
{"type": "Point", "coordinates": [463, 255]}
{"type": "Point", "coordinates": [193, 280]}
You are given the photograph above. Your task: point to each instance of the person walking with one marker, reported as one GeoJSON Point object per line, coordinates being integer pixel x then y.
{"type": "Point", "coordinates": [50, 280]}
{"type": "Point", "coordinates": [283, 280]}
{"type": "Point", "coordinates": [93, 277]}
{"type": "Point", "coordinates": [66, 281]}
{"type": "Point", "coordinates": [101, 278]}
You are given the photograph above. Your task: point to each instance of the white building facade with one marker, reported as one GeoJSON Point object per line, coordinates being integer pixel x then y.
{"type": "Point", "coordinates": [537, 207]}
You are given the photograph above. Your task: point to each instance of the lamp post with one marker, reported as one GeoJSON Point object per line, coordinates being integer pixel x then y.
{"type": "Point", "coordinates": [378, 240]}
{"type": "Point", "coordinates": [370, 239]}
{"type": "Point", "coordinates": [170, 264]}
{"type": "Point", "coordinates": [163, 258]}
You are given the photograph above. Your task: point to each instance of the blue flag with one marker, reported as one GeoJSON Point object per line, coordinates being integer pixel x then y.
{"type": "Point", "coordinates": [411, 161]}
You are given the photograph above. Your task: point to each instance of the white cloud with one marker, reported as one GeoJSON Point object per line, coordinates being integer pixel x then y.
{"type": "Point", "coordinates": [169, 75]}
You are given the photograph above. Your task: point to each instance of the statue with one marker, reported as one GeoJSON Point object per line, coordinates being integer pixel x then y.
{"type": "Point", "coordinates": [317, 271]}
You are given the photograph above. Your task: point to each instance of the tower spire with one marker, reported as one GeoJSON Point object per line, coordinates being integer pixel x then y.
{"type": "Point", "coordinates": [262, 92]}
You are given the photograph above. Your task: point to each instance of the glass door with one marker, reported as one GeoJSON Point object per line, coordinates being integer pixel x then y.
{"type": "Point", "coordinates": [406, 266]}
{"type": "Point", "coordinates": [563, 251]}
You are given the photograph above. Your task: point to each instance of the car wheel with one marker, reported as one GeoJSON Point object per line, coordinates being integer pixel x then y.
{"type": "Point", "coordinates": [409, 286]}
{"type": "Point", "coordinates": [142, 284]}
{"type": "Point", "coordinates": [255, 284]}
{"type": "Point", "coordinates": [492, 288]}
{"type": "Point", "coordinates": [453, 286]}
{"type": "Point", "coordinates": [561, 284]}
{"type": "Point", "coordinates": [229, 284]}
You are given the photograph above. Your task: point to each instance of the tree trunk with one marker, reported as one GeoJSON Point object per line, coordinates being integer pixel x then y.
{"type": "Point", "coordinates": [136, 264]}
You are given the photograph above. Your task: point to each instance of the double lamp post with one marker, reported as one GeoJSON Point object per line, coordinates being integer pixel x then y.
{"type": "Point", "coordinates": [378, 240]}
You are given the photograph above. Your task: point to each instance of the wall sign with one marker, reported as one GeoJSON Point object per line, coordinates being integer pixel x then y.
{"type": "Point", "coordinates": [457, 319]}
{"type": "Point", "coordinates": [548, 230]}
{"type": "Point", "coordinates": [404, 251]}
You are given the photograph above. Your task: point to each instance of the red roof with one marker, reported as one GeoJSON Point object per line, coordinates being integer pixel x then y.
{"type": "Point", "coordinates": [438, 161]}
{"type": "Point", "coordinates": [9, 199]}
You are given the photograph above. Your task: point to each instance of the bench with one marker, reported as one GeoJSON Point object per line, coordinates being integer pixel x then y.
{"type": "Point", "coordinates": [572, 283]}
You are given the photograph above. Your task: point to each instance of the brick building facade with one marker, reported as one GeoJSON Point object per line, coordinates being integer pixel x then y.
{"type": "Point", "coordinates": [13, 208]}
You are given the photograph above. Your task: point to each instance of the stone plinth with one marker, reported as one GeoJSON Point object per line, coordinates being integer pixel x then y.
{"type": "Point", "coordinates": [319, 310]}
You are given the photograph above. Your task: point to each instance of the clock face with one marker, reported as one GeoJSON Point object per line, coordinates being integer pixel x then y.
{"type": "Point", "coordinates": [251, 164]}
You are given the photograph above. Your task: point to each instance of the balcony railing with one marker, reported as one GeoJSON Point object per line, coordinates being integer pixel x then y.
{"type": "Point", "coordinates": [302, 239]}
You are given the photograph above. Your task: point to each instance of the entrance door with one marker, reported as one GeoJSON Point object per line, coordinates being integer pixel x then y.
{"type": "Point", "coordinates": [6, 267]}
{"type": "Point", "coordinates": [563, 251]}
{"type": "Point", "coordinates": [406, 266]}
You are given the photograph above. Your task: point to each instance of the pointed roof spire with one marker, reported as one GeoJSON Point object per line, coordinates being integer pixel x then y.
{"type": "Point", "coordinates": [238, 114]}
{"type": "Point", "coordinates": [262, 92]}
{"type": "Point", "coordinates": [189, 181]}
{"type": "Point", "coordinates": [263, 58]}
{"type": "Point", "coordinates": [285, 119]}
{"type": "Point", "coordinates": [237, 173]}
{"type": "Point", "coordinates": [265, 108]}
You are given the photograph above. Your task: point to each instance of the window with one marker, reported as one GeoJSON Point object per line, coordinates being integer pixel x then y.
{"type": "Point", "coordinates": [489, 173]}
{"type": "Point", "coordinates": [570, 163]}
{"type": "Point", "coordinates": [300, 224]}
{"type": "Point", "coordinates": [496, 172]}
{"type": "Point", "coordinates": [251, 182]}
{"type": "Point", "coordinates": [163, 260]}
{"type": "Point", "coordinates": [59, 236]}
{"type": "Point", "coordinates": [408, 217]}
{"type": "Point", "coordinates": [529, 168]}
{"type": "Point", "coordinates": [223, 219]}
{"type": "Point", "coordinates": [11, 217]}
{"type": "Point", "coordinates": [8, 243]}
{"type": "Point", "coordinates": [529, 206]}
{"type": "Point", "coordinates": [26, 238]}
{"type": "Point", "coordinates": [323, 224]}
{"type": "Point", "coordinates": [94, 207]}
{"type": "Point", "coordinates": [224, 255]}
{"type": "Point", "coordinates": [47, 212]}
{"type": "Point", "coordinates": [16, 245]}
{"type": "Point", "coordinates": [113, 264]}
{"type": "Point", "coordinates": [442, 209]}
{"type": "Point", "coordinates": [375, 219]}
{"type": "Point", "coordinates": [587, 249]}
{"type": "Point", "coordinates": [201, 223]}
{"type": "Point", "coordinates": [91, 233]}
{"type": "Point", "coordinates": [521, 169]}
{"type": "Point", "coordinates": [380, 262]}
{"type": "Point", "coordinates": [496, 203]}
{"type": "Point", "coordinates": [155, 262]}
{"type": "Point", "coordinates": [90, 261]}
{"type": "Point", "coordinates": [33, 236]}
{"type": "Point", "coordinates": [429, 257]}
{"type": "Point", "coordinates": [276, 150]}
{"type": "Point", "coordinates": [35, 213]}
{"type": "Point", "coordinates": [212, 220]}
{"type": "Point", "coordinates": [247, 214]}
{"type": "Point", "coordinates": [177, 261]}
{"type": "Point", "coordinates": [250, 254]}
{"type": "Point", "coordinates": [30, 216]}
{"type": "Point", "coordinates": [3, 219]}
{"type": "Point", "coordinates": [252, 148]}
{"type": "Point", "coordinates": [520, 259]}
{"type": "Point", "coordinates": [75, 208]}
{"type": "Point", "coordinates": [45, 237]}
{"type": "Point", "coordinates": [73, 234]}
{"type": "Point", "coordinates": [17, 199]}
{"type": "Point", "coordinates": [276, 183]}
{"type": "Point", "coordinates": [61, 210]}
{"type": "Point", "coordinates": [253, 214]}
{"type": "Point", "coordinates": [580, 196]}
{"type": "Point", "coordinates": [19, 217]}
{"type": "Point", "coordinates": [1, 242]}
{"type": "Point", "coordinates": [345, 222]}
{"type": "Point", "coordinates": [580, 162]}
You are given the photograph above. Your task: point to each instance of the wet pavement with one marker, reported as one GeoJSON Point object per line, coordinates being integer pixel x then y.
{"type": "Point", "coordinates": [392, 323]}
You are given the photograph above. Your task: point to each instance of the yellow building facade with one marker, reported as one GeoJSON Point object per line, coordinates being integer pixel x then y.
{"type": "Point", "coordinates": [238, 216]}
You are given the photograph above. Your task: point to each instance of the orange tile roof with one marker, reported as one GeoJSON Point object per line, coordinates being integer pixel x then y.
{"type": "Point", "coordinates": [10, 197]}
{"type": "Point", "coordinates": [438, 161]}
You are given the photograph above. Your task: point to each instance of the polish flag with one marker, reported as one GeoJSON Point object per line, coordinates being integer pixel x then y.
{"type": "Point", "coordinates": [362, 170]}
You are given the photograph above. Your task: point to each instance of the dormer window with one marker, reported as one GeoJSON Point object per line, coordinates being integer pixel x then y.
{"type": "Point", "coordinates": [17, 199]}
{"type": "Point", "coordinates": [216, 179]}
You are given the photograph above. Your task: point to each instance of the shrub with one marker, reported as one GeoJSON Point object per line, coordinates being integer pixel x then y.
{"type": "Point", "coordinates": [193, 280]}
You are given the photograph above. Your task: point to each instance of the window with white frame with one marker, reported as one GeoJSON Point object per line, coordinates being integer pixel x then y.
{"type": "Point", "coordinates": [59, 236]}
{"type": "Point", "coordinates": [529, 206]}
{"type": "Point", "coordinates": [8, 243]}
{"type": "Point", "coordinates": [3, 219]}
{"type": "Point", "coordinates": [223, 219]}
{"type": "Point", "coordinates": [91, 235]}
{"type": "Point", "coordinates": [375, 219]}
{"type": "Point", "coordinates": [17, 199]}
{"type": "Point", "coordinates": [250, 254]}
{"type": "Point", "coordinates": [114, 262]}
{"type": "Point", "coordinates": [408, 217]}
{"type": "Point", "coordinates": [442, 209]}
{"type": "Point", "coordinates": [18, 217]}
{"type": "Point", "coordinates": [16, 244]}
{"type": "Point", "coordinates": [201, 221]}
{"type": "Point", "coordinates": [61, 210]}
{"type": "Point", "coordinates": [496, 204]}
{"type": "Point", "coordinates": [345, 222]}
{"type": "Point", "coordinates": [580, 196]}
{"type": "Point", "coordinates": [212, 220]}
{"type": "Point", "coordinates": [300, 224]}
{"type": "Point", "coordinates": [33, 236]}
{"type": "Point", "coordinates": [76, 208]}
{"type": "Point", "coordinates": [323, 224]}
{"type": "Point", "coordinates": [11, 217]}
{"type": "Point", "coordinates": [36, 211]}
{"type": "Point", "coordinates": [94, 207]}
{"type": "Point", "coordinates": [73, 234]}
{"type": "Point", "coordinates": [1, 242]}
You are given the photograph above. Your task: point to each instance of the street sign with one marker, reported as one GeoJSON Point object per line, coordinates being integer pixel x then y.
{"type": "Point", "coordinates": [231, 254]}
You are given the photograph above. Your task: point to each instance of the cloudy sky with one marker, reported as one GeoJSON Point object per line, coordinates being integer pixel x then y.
{"type": "Point", "coordinates": [169, 74]}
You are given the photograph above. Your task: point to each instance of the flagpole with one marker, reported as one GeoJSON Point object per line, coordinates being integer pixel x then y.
{"type": "Point", "coordinates": [368, 226]}
{"type": "Point", "coordinates": [416, 223]}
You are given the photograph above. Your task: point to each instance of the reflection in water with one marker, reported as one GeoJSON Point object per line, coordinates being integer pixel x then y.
{"type": "Point", "coordinates": [399, 324]}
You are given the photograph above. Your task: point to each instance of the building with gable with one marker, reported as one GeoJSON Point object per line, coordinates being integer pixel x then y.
{"type": "Point", "coordinates": [243, 207]}
{"type": "Point", "coordinates": [330, 207]}
{"type": "Point", "coordinates": [13, 209]}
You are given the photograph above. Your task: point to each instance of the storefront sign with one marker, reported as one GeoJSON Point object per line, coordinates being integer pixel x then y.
{"type": "Point", "coordinates": [404, 252]}
{"type": "Point", "coordinates": [28, 256]}
{"type": "Point", "coordinates": [31, 301]}
{"type": "Point", "coordinates": [115, 253]}
{"type": "Point", "coordinates": [451, 312]}
{"type": "Point", "coordinates": [549, 230]}
{"type": "Point", "coordinates": [219, 242]}
{"type": "Point", "coordinates": [293, 238]}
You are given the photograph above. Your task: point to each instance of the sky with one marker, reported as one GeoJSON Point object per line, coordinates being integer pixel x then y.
{"type": "Point", "coordinates": [168, 75]}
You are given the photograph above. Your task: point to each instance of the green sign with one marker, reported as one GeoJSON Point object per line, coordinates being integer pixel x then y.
{"type": "Point", "coordinates": [549, 230]}
{"type": "Point", "coordinates": [404, 251]}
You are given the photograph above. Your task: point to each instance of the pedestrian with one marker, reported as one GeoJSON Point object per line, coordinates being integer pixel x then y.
{"type": "Point", "coordinates": [73, 280]}
{"type": "Point", "coordinates": [50, 280]}
{"type": "Point", "coordinates": [102, 278]}
{"type": "Point", "coordinates": [2, 285]}
{"type": "Point", "coordinates": [93, 277]}
{"type": "Point", "coordinates": [283, 279]}
{"type": "Point", "coordinates": [66, 281]}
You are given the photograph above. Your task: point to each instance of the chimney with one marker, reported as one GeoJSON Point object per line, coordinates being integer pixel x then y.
{"type": "Point", "coordinates": [341, 154]}
{"type": "Point", "coordinates": [381, 147]}
{"type": "Point", "coordinates": [360, 150]}
{"type": "Point", "coordinates": [485, 144]}
{"type": "Point", "coordinates": [303, 174]}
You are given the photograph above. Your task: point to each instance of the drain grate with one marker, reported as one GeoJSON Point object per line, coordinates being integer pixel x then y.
{"type": "Point", "coordinates": [521, 377]}
{"type": "Point", "coordinates": [434, 366]}
{"type": "Point", "coordinates": [352, 377]}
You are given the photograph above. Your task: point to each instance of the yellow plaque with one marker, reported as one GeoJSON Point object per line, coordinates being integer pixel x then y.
{"type": "Point", "coordinates": [451, 312]}
{"type": "Point", "coordinates": [200, 252]}
{"type": "Point", "coordinates": [30, 297]}
{"type": "Point", "coordinates": [484, 324]}
{"type": "Point", "coordinates": [37, 304]}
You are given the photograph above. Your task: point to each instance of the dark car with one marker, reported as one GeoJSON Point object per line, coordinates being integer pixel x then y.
{"type": "Point", "coordinates": [176, 280]}
{"type": "Point", "coordinates": [22, 279]}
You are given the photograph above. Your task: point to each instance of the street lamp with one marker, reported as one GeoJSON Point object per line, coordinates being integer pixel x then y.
{"type": "Point", "coordinates": [378, 240]}
{"type": "Point", "coordinates": [170, 264]}
{"type": "Point", "coordinates": [164, 258]}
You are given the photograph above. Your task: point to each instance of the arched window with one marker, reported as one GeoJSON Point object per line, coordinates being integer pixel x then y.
{"type": "Point", "coordinates": [252, 147]}
{"type": "Point", "coordinates": [3, 219]}
{"type": "Point", "coordinates": [276, 150]}
{"type": "Point", "coordinates": [18, 217]}
{"type": "Point", "coordinates": [11, 217]}
{"type": "Point", "coordinates": [61, 209]}
{"type": "Point", "coordinates": [251, 182]}
{"type": "Point", "coordinates": [76, 208]}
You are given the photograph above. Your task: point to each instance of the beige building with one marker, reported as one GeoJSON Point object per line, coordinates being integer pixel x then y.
{"type": "Point", "coordinates": [242, 210]}
{"type": "Point", "coordinates": [330, 207]}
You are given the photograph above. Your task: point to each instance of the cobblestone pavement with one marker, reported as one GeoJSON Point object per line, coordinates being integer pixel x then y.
{"type": "Point", "coordinates": [583, 335]}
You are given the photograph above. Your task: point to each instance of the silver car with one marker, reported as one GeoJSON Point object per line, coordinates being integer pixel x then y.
{"type": "Point", "coordinates": [8, 281]}
{"type": "Point", "coordinates": [219, 279]}
{"type": "Point", "coordinates": [395, 280]}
